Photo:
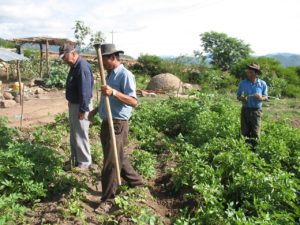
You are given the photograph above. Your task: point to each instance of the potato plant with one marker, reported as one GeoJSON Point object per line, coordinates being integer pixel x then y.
{"type": "Point", "coordinates": [229, 183]}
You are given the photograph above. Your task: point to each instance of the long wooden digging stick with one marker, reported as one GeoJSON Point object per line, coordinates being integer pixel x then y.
{"type": "Point", "coordinates": [108, 113]}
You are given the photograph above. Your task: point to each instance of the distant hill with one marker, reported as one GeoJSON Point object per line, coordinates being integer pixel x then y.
{"type": "Point", "coordinates": [286, 59]}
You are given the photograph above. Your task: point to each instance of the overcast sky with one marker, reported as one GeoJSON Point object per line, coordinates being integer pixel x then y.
{"type": "Point", "coordinates": [161, 27]}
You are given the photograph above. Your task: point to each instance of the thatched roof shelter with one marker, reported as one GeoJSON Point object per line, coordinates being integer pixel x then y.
{"type": "Point", "coordinates": [47, 41]}
{"type": "Point", "coordinates": [43, 40]}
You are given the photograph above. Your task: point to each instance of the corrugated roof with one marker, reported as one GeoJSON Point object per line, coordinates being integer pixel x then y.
{"type": "Point", "coordinates": [6, 55]}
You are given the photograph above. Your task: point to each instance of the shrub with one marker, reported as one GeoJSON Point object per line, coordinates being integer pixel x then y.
{"type": "Point", "coordinates": [216, 169]}
{"type": "Point", "coordinates": [144, 163]}
{"type": "Point", "coordinates": [150, 65]}
{"type": "Point", "coordinates": [58, 75]}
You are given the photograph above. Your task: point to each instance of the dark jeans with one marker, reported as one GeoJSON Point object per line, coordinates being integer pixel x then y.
{"type": "Point", "coordinates": [109, 179]}
{"type": "Point", "coordinates": [250, 124]}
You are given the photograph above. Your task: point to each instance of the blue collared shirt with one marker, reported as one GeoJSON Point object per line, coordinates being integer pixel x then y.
{"type": "Point", "coordinates": [250, 89]}
{"type": "Point", "coordinates": [123, 81]}
{"type": "Point", "coordinates": [79, 85]}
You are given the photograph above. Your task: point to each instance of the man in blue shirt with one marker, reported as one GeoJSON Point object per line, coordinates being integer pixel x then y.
{"type": "Point", "coordinates": [121, 89]}
{"type": "Point", "coordinates": [252, 92]}
{"type": "Point", "coordinates": [79, 92]}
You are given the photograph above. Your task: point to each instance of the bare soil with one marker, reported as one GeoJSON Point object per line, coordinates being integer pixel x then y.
{"type": "Point", "coordinates": [161, 200]}
{"type": "Point", "coordinates": [39, 109]}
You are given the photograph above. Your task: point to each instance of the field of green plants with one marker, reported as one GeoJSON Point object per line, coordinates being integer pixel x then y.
{"type": "Point", "coordinates": [211, 170]}
{"type": "Point", "coordinates": [226, 182]}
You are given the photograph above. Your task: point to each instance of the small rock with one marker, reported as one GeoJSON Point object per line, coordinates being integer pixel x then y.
{"type": "Point", "coordinates": [150, 95]}
{"type": "Point", "coordinates": [186, 87]}
{"type": "Point", "coordinates": [39, 91]}
{"type": "Point", "coordinates": [18, 99]}
{"type": "Point", "coordinates": [7, 103]}
{"type": "Point", "coordinates": [8, 96]}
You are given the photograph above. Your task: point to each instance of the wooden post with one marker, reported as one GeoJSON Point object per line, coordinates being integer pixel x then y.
{"type": "Point", "coordinates": [19, 79]}
{"type": "Point", "coordinates": [21, 92]}
{"type": "Point", "coordinates": [47, 56]}
{"type": "Point", "coordinates": [7, 72]}
{"type": "Point", "coordinates": [41, 59]}
{"type": "Point", "coordinates": [22, 105]}
{"type": "Point", "coordinates": [109, 114]}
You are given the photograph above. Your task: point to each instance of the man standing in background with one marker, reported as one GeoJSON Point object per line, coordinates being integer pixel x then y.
{"type": "Point", "coordinates": [79, 92]}
{"type": "Point", "coordinates": [252, 92]}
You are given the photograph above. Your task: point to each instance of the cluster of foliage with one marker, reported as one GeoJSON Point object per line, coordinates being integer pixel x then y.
{"type": "Point", "coordinates": [30, 168]}
{"type": "Point", "coordinates": [144, 163]}
{"type": "Point", "coordinates": [85, 37]}
{"type": "Point", "coordinates": [130, 203]}
{"type": "Point", "coordinates": [224, 51]}
{"type": "Point", "coordinates": [28, 68]}
{"type": "Point", "coordinates": [188, 69]}
{"type": "Point", "coordinates": [7, 44]}
{"type": "Point", "coordinates": [228, 183]}
{"type": "Point", "coordinates": [149, 65]}
{"type": "Point", "coordinates": [58, 74]}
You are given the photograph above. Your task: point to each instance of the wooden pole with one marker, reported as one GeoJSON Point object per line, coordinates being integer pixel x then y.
{"type": "Point", "coordinates": [7, 72]}
{"type": "Point", "coordinates": [109, 114]}
{"type": "Point", "coordinates": [47, 56]}
{"type": "Point", "coordinates": [21, 92]}
{"type": "Point", "coordinates": [20, 83]}
{"type": "Point", "coordinates": [22, 106]}
{"type": "Point", "coordinates": [41, 59]}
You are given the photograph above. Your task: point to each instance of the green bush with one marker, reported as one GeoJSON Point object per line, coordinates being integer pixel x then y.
{"type": "Point", "coordinates": [227, 182]}
{"type": "Point", "coordinates": [7, 44]}
{"type": "Point", "coordinates": [149, 64]}
{"type": "Point", "coordinates": [11, 212]}
{"type": "Point", "coordinates": [213, 79]}
{"type": "Point", "coordinates": [7, 134]}
{"type": "Point", "coordinates": [292, 90]}
{"type": "Point", "coordinates": [58, 74]}
{"type": "Point", "coordinates": [144, 163]}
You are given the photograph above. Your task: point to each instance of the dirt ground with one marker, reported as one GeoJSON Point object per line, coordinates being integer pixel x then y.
{"type": "Point", "coordinates": [37, 111]}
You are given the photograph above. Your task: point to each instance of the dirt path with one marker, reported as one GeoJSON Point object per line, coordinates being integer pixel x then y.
{"type": "Point", "coordinates": [37, 111]}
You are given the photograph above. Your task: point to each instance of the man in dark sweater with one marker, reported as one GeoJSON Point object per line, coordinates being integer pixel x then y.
{"type": "Point", "coordinates": [79, 92]}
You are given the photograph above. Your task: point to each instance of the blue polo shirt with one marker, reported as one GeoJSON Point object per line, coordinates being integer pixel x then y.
{"type": "Point", "coordinates": [249, 89]}
{"type": "Point", "coordinates": [123, 81]}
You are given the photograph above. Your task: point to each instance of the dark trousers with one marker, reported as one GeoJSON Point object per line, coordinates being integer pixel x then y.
{"type": "Point", "coordinates": [250, 124]}
{"type": "Point", "coordinates": [108, 180]}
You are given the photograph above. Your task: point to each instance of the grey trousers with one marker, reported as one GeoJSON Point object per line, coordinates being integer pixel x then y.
{"type": "Point", "coordinates": [79, 138]}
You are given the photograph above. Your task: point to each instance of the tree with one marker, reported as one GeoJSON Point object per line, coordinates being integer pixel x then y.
{"type": "Point", "coordinates": [85, 37]}
{"type": "Point", "coordinates": [150, 65]}
{"type": "Point", "coordinates": [224, 51]}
